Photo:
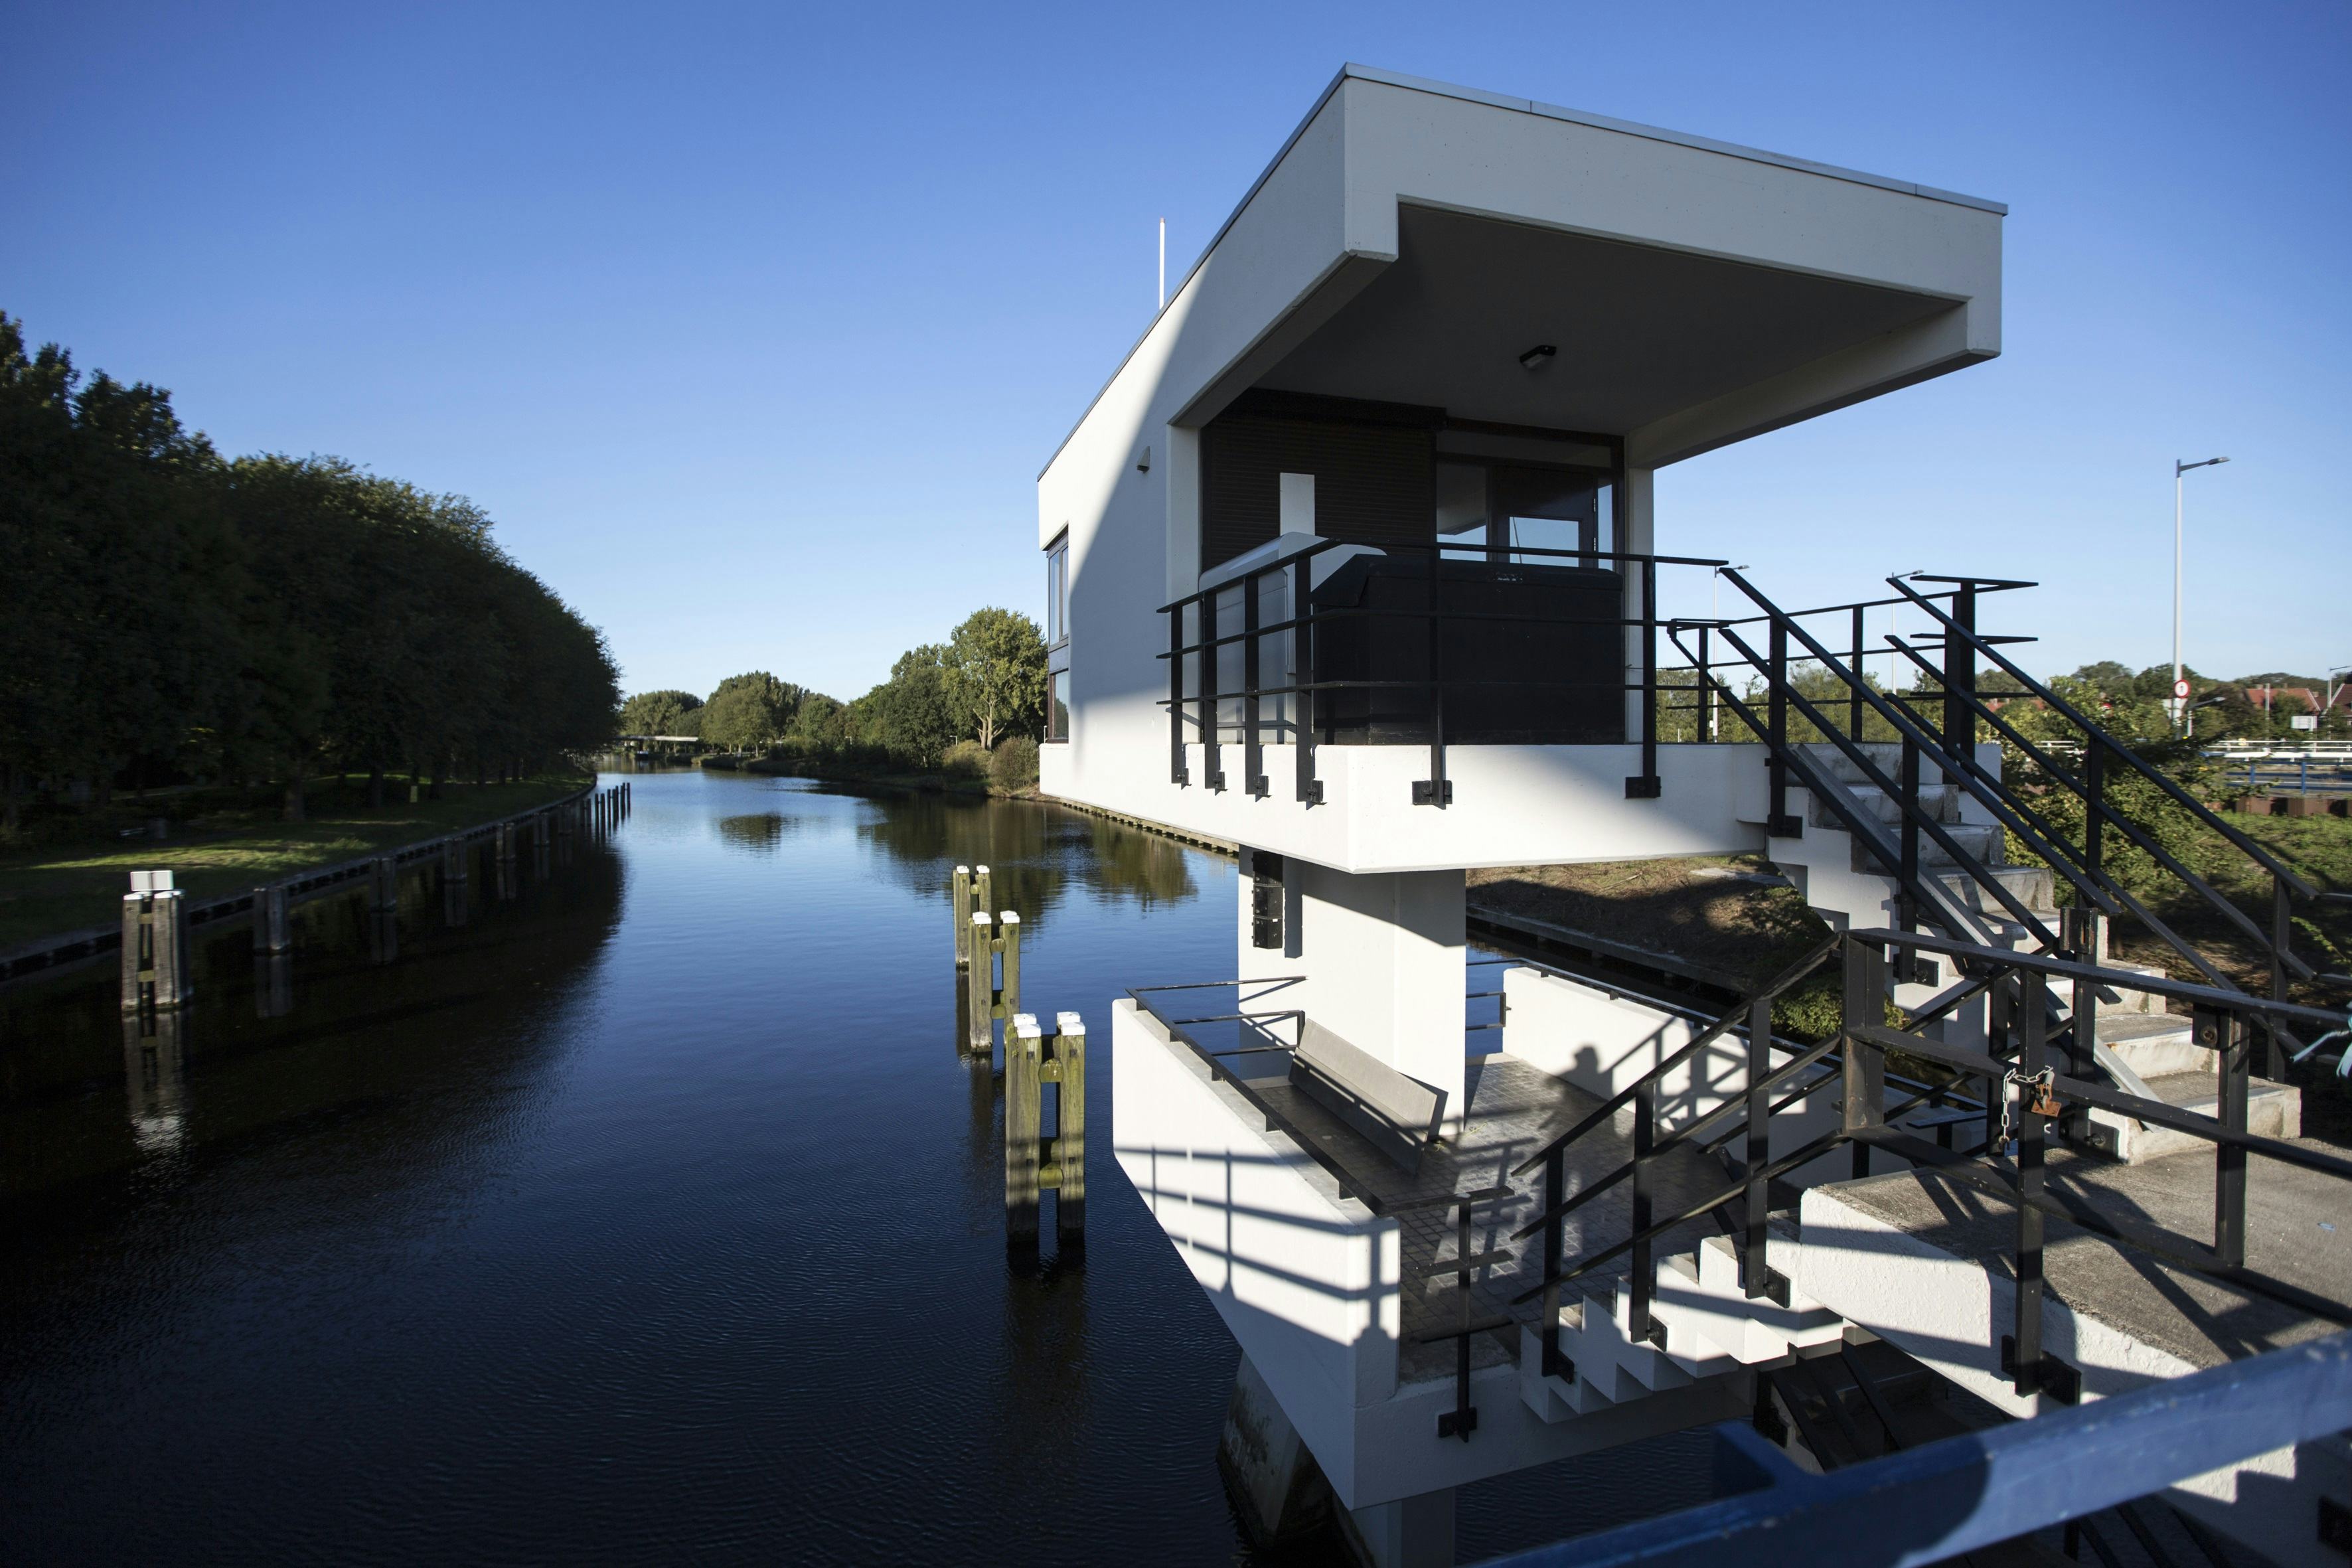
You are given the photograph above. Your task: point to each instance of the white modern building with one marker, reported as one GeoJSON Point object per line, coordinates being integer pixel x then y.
{"type": "Point", "coordinates": [1355, 563]}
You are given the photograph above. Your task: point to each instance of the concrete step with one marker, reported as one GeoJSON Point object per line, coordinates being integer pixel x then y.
{"type": "Point", "coordinates": [2031, 885]}
{"type": "Point", "coordinates": [1757, 1332]}
{"type": "Point", "coordinates": [1886, 756]}
{"type": "Point", "coordinates": [2153, 1044]}
{"type": "Point", "coordinates": [1979, 841]}
{"type": "Point", "coordinates": [2273, 1111]}
{"type": "Point", "coordinates": [1942, 802]}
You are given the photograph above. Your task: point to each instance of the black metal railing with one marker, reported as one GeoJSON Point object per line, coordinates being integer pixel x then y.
{"type": "Point", "coordinates": [1936, 725]}
{"type": "Point", "coordinates": [2022, 1095]}
{"type": "Point", "coordinates": [1445, 645]}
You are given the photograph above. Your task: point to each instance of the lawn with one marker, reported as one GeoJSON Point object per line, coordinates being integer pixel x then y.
{"type": "Point", "coordinates": [231, 846]}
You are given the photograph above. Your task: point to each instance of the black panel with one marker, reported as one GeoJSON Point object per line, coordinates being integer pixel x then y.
{"type": "Point", "coordinates": [1562, 638]}
{"type": "Point", "coordinates": [1374, 483]}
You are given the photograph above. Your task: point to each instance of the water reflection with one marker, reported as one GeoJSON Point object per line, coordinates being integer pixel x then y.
{"type": "Point", "coordinates": [1039, 854]}
{"type": "Point", "coordinates": [759, 832]}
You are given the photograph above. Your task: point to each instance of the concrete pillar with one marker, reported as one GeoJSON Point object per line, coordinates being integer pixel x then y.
{"type": "Point", "coordinates": [1383, 955]}
{"type": "Point", "coordinates": [273, 984]}
{"type": "Point", "coordinates": [1411, 1532]}
{"type": "Point", "coordinates": [1277, 1489]}
{"type": "Point", "coordinates": [1637, 535]}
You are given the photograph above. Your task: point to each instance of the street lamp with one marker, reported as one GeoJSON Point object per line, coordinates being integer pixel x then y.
{"type": "Point", "coordinates": [2179, 697]}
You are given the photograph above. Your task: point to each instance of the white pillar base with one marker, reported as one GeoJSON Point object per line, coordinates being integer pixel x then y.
{"type": "Point", "coordinates": [1411, 1532]}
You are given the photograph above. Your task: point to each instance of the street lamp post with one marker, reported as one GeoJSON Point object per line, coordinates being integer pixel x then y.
{"type": "Point", "coordinates": [2179, 701]}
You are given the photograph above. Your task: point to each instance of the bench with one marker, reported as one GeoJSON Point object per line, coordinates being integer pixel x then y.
{"type": "Point", "coordinates": [1397, 1115]}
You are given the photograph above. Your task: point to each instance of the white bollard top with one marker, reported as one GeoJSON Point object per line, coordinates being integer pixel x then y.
{"type": "Point", "coordinates": [963, 871]}
{"type": "Point", "coordinates": [979, 917]}
{"type": "Point", "coordinates": [1069, 1024]}
{"type": "Point", "coordinates": [151, 881]}
{"type": "Point", "coordinates": [1025, 1024]}
{"type": "Point", "coordinates": [981, 869]}
{"type": "Point", "coordinates": [1009, 918]}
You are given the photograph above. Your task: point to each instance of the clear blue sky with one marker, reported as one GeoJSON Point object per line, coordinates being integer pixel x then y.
{"type": "Point", "coordinates": [751, 326]}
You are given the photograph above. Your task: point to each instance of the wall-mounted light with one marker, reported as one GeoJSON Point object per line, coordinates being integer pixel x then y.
{"type": "Point", "coordinates": [1143, 463]}
{"type": "Point", "coordinates": [1537, 356]}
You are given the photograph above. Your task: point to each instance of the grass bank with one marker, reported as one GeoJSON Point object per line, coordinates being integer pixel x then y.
{"type": "Point", "coordinates": [222, 843]}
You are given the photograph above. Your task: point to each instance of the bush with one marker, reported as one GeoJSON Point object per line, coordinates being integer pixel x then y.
{"type": "Point", "coordinates": [965, 760]}
{"type": "Point", "coordinates": [1015, 764]}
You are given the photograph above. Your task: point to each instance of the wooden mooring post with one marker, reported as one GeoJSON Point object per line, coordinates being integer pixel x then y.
{"type": "Point", "coordinates": [272, 932]}
{"type": "Point", "coordinates": [991, 998]}
{"type": "Point", "coordinates": [970, 894]}
{"type": "Point", "coordinates": [154, 944]}
{"type": "Point", "coordinates": [1037, 1161]}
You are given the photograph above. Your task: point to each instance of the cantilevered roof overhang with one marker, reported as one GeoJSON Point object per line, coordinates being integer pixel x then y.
{"type": "Point", "coordinates": [1412, 239]}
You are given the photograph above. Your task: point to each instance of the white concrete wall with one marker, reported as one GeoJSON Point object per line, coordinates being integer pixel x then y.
{"type": "Point", "coordinates": [1513, 806]}
{"type": "Point", "coordinates": [1306, 1281]}
{"type": "Point", "coordinates": [1603, 1043]}
{"type": "Point", "coordinates": [1384, 956]}
{"type": "Point", "coordinates": [1304, 1278]}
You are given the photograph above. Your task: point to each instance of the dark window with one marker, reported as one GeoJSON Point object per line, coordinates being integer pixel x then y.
{"type": "Point", "coordinates": [1058, 706]}
{"type": "Point", "coordinates": [1057, 592]}
{"type": "Point", "coordinates": [1372, 483]}
{"type": "Point", "coordinates": [1265, 899]}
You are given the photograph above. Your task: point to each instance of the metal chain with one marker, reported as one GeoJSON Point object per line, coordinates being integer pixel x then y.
{"type": "Point", "coordinates": [2043, 1082]}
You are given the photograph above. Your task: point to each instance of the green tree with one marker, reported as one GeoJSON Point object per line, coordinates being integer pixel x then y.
{"type": "Point", "coordinates": [995, 667]}
{"type": "Point", "coordinates": [749, 711]}
{"type": "Point", "coordinates": [658, 712]}
{"type": "Point", "coordinates": [915, 708]}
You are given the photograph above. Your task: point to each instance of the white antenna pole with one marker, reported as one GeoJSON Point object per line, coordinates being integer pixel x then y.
{"type": "Point", "coordinates": [1163, 264]}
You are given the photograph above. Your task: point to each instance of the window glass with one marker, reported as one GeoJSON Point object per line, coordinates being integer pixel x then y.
{"type": "Point", "coordinates": [1057, 572]}
{"type": "Point", "coordinates": [1057, 707]}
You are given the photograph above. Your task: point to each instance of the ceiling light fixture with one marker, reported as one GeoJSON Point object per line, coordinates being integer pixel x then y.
{"type": "Point", "coordinates": [1539, 355]}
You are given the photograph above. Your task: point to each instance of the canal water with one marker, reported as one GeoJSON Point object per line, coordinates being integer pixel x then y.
{"type": "Point", "coordinates": [648, 1216]}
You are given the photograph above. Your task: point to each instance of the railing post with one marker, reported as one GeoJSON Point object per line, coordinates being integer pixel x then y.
{"type": "Point", "coordinates": [2282, 947]}
{"type": "Point", "coordinates": [2225, 1035]}
{"type": "Point", "coordinates": [1906, 903]}
{"type": "Point", "coordinates": [2032, 1017]}
{"type": "Point", "coordinates": [1642, 1280]}
{"type": "Point", "coordinates": [1302, 679]}
{"type": "Point", "coordinates": [1435, 790]}
{"type": "Point", "coordinates": [1961, 680]}
{"type": "Point", "coordinates": [1705, 715]}
{"type": "Point", "coordinates": [2094, 804]}
{"type": "Point", "coordinates": [1253, 749]}
{"type": "Point", "coordinates": [1646, 786]}
{"type": "Point", "coordinates": [1176, 769]}
{"type": "Point", "coordinates": [1778, 824]}
{"type": "Point", "coordinates": [1853, 694]}
{"type": "Point", "coordinates": [1755, 1256]}
{"type": "Point", "coordinates": [1863, 1086]}
{"type": "Point", "coordinates": [1555, 1363]}
{"type": "Point", "coordinates": [2080, 931]}
{"type": "Point", "coordinates": [1213, 773]}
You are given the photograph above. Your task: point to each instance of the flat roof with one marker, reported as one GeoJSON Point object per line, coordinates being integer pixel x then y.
{"type": "Point", "coordinates": [1522, 106]}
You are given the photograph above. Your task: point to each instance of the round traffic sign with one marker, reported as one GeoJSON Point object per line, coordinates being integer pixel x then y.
{"type": "Point", "coordinates": [2181, 687]}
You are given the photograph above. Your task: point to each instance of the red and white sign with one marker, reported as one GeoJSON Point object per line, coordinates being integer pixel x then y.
{"type": "Point", "coordinates": [2180, 689]}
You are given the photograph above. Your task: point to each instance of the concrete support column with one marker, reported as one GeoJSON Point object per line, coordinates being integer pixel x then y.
{"type": "Point", "coordinates": [1636, 535]}
{"type": "Point", "coordinates": [1383, 955]}
{"type": "Point", "coordinates": [1411, 1532]}
{"type": "Point", "coordinates": [1276, 1488]}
